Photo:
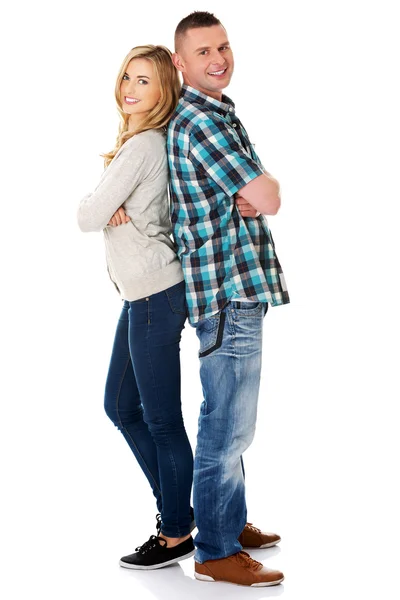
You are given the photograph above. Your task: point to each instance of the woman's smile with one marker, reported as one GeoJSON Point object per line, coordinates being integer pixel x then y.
{"type": "Point", "coordinates": [130, 100]}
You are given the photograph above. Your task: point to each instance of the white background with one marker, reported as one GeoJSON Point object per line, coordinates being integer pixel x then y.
{"type": "Point", "coordinates": [315, 85]}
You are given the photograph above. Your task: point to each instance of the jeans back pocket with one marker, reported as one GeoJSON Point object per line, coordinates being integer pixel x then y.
{"type": "Point", "coordinates": [176, 298]}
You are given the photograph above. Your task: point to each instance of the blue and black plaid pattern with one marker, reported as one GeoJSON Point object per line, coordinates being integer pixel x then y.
{"type": "Point", "coordinates": [210, 159]}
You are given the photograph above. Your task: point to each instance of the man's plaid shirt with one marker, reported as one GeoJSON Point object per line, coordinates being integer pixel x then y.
{"type": "Point", "coordinates": [222, 254]}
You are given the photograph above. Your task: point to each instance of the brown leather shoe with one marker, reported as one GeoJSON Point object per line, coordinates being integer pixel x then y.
{"type": "Point", "coordinates": [239, 568]}
{"type": "Point", "coordinates": [252, 537]}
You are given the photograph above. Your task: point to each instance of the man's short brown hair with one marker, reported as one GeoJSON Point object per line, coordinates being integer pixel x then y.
{"type": "Point", "coordinates": [192, 21]}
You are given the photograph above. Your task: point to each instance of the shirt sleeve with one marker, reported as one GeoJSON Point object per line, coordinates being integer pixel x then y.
{"type": "Point", "coordinates": [119, 180]}
{"type": "Point", "coordinates": [215, 149]}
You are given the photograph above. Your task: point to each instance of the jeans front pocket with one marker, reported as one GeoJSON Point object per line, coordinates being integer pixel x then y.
{"type": "Point", "coordinates": [210, 333]}
{"type": "Point", "coordinates": [248, 309]}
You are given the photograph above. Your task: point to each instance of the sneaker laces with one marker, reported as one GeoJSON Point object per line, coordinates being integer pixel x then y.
{"type": "Point", "coordinates": [159, 523]}
{"type": "Point", "coordinates": [152, 542]}
{"type": "Point", "coordinates": [245, 559]}
{"type": "Point", "coordinates": [253, 528]}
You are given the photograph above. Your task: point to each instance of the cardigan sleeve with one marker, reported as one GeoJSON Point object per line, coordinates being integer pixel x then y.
{"type": "Point", "coordinates": [119, 180]}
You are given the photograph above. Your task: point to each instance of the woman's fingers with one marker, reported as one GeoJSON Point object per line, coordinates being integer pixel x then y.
{"type": "Point", "coordinates": [122, 216]}
{"type": "Point", "coordinates": [119, 217]}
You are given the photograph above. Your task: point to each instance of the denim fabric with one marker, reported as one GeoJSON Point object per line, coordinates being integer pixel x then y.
{"type": "Point", "coordinates": [230, 368]}
{"type": "Point", "coordinates": [143, 399]}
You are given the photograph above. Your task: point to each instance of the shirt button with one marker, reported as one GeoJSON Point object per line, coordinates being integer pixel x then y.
{"type": "Point", "coordinates": [230, 109]}
{"type": "Point", "coordinates": [234, 125]}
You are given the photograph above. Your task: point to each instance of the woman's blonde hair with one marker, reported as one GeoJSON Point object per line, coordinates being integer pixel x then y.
{"type": "Point", "coordinates": [170, 88]}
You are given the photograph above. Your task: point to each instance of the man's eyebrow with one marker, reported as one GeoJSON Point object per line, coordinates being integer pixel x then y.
{"type": "Point", "coordinates": [208, 47]}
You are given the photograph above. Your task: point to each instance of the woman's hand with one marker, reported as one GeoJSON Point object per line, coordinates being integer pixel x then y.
{"type": "Point", "coordinates": [118, 218]}
{"type": "Point", "coordinates": [245, 209]}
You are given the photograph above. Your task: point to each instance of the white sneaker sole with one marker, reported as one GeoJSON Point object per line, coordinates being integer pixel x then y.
{"type": "Point", "coordinates": [159, 566]}
{"type": "Point", "coordinates": [201, 577]}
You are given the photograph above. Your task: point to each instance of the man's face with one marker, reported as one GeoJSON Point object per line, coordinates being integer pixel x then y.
{"type": "Point", "coordinates": [205, 59]}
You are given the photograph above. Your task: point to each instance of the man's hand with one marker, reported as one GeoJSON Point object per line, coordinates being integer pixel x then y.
{"type": "Point", "coordinates": [118, 218]}
{"type": "Point", "coordinates": [245, 209]}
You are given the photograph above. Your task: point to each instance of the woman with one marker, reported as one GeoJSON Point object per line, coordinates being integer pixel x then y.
{"type": "Point", "coordinates": [130, 205]}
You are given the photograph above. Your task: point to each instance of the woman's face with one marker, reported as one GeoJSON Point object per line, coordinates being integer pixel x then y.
{"type": "Point", "coordinates": [140, 90]}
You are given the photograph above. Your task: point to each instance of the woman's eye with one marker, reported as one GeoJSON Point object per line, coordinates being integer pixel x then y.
{"type": "Point", "coordinates": [125, 77]}
{"type": "Point", "coordinates": [143, 81]}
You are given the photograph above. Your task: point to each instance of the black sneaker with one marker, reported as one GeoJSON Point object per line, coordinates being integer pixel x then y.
{"type": "Point", "coordinates": [159, 522]}
{"type": "Point", "coordinates": [153, 555]}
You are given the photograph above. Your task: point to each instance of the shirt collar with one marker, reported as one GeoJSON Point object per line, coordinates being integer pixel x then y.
{"type": "Point", "coordinates": [190, 94]}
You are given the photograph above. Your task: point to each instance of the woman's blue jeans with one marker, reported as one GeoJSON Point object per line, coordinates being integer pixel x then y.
{"type": "Point", "coordinates": [143, 399]}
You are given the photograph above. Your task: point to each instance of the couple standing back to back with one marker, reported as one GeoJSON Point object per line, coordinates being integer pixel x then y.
{"type": "Point", "coordinates": [222, 273]}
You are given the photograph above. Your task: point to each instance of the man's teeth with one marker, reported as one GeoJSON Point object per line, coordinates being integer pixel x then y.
{"type": "Point", "coordinates": [218, 72]}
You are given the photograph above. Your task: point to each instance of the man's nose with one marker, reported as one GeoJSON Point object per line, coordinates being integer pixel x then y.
{"type": "Point", "coordinates": [216, 59]}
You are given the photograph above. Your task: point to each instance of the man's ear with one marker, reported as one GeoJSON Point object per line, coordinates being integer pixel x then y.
{"type": "Point", "coordinates": [177, 61]}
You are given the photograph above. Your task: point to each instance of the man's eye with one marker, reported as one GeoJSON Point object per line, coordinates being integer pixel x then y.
{"type": "Point", "coordinates": [203, 52]}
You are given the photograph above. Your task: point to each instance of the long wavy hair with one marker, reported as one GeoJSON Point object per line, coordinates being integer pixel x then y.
{"type": "Point", "coordinates": [170, 87]}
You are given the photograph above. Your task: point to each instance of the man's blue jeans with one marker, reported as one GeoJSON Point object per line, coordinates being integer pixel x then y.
{"type": "Point", "coordinates": [143, 399]}
{"type": "Point", "coordinates": [230, 368]}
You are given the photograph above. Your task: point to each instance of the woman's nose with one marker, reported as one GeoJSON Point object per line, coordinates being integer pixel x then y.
{"type": "Point", "coordinates": [130, 88]}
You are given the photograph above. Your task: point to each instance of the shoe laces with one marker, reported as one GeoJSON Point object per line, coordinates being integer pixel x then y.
{"type": "Point", "coordinates": [245, 559]}
{"type": "Point", "coordinates": [251, 526]}
{"type": "Point", "coordinates": [159, 523]}
{"type": "Point", "coordinates": [151, 543]}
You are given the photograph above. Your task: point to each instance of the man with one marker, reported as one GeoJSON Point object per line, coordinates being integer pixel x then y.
{"type": "Point", "coordinates": [220, 192]}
